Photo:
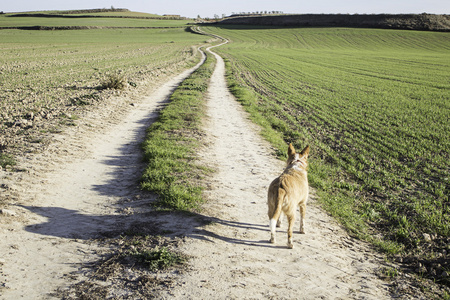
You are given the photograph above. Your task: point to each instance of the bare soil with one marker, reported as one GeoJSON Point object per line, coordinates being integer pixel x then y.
{"type": "Point", "coordinates": [77, 213]}
{"type": "Point", "coordinates": [76, 191]}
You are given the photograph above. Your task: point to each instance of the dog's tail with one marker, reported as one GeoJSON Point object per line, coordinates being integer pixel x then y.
{"type": "Point", "coordinates": [277, 212]}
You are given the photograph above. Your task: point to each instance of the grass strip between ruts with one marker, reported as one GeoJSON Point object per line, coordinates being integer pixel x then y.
{"type": "Point", "coordinates": [172, 141]}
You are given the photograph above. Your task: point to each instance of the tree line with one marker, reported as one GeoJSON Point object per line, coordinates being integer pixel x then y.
{"type": "Point", "coordinates": [238, 14]}
{"type": "Point", "coordinates": [266, 12]}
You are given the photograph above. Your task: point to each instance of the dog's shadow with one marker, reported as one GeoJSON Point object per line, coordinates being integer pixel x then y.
{"type": "Point", "coordinates": [73, 224]}
{"type": "Point", "coordinates": [205, 232]}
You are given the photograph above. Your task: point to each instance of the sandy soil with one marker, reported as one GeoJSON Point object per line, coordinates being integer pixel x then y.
{"type": "Point", "coordinates": [86, 194]}
{"type": "Point", "coordinates": [76, 191]}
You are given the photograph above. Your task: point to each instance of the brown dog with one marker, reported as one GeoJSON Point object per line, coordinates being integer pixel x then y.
{"type": "Point", "coordinates": [288, 191]}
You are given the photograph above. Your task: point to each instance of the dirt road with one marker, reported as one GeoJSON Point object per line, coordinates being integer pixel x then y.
{"type": "Point", "coordinates": [75, 193]}
{"type": "Point", "coordinates": [80, 198]}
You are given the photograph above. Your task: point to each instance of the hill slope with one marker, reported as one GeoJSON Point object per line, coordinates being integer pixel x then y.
{"type": "Point", "coordinates": [404, 21]}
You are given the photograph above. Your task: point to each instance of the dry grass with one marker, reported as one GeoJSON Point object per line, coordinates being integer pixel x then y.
{"type": "Point", "coordinates": [114, 82]}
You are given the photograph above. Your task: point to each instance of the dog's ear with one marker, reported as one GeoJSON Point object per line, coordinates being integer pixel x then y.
{"type": "Point", "coordinates": [291, 150]}
{"type": "Point", "coordinates": [305, 152]}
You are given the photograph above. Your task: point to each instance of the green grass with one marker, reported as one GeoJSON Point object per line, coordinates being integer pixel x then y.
{"type": "Point", "coordinates": [158, 258]}
{"type": "Point", "coordinates": [112, 19]}
{"type": "Point", "coordinates": [118, 13]}
{"type": "Point", "coordinates": [133, 14]}
{"type": "Point", "coordinates": [373, 105]}
{"type": "Point", "coordinates": [150, 251]}
{"type": "Point", "coordinates": [101, 22]}
{"type": "Point", "coordinates": [6, 160]}
{"type": "Point", "coordinates": [171, 144]}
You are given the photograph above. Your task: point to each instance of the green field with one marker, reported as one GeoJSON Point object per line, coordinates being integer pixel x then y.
{"type": "Point", "coordinates": [374, 105]}
{"type": "Point", "coordinates": [7, 21]}
{"type": "Point", "coordinates": [91, 18]}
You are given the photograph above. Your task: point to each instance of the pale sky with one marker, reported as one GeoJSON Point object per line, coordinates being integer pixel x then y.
{"type": "Point", "coordinates": [208, 8]}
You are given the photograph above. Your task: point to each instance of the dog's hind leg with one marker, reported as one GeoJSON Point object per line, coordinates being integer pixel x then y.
{"type": "Point", "coordinates": [273, 226]}
{"type": "Point", "coordinates": [272, 231]}
{"type": "Point", "coordinates": [276, 214]}
{"type": "Point", "coordinates": [302, 218]}
{"type": "Point", "coordinates": [291, 220]}
{"type": "Point", "coordinates": [272, 206]}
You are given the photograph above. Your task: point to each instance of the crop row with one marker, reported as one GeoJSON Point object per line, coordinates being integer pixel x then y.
{"type": "Point", "coordinates": [374, 105]}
